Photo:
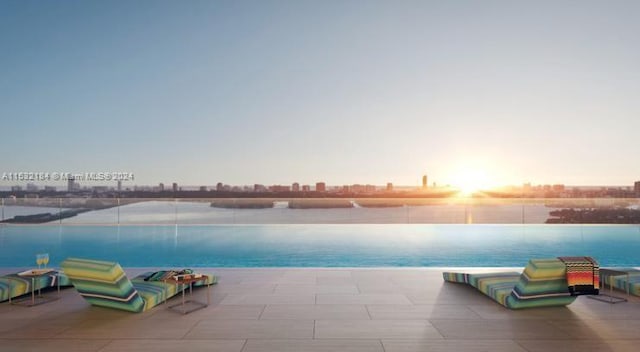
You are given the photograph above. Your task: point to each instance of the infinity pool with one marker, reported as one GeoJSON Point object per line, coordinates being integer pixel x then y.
{"type": "Point", "coordinates": [353, 245]}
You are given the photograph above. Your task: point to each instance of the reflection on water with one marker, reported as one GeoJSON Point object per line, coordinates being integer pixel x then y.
{"type": "Point", "coordinates": [172, 212]}
{"type": "Point", "coordinates": [175, 238]}
{"type": "Point", "coordinates": [129, 211]}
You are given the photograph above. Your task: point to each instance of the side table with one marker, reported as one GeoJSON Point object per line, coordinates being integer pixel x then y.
{"type": "Point", "coordinates": [34, 274]}
{"type": "Point", "coordinates": [189, 279]}
{"type": "Point", "coordinates": [611, 274]}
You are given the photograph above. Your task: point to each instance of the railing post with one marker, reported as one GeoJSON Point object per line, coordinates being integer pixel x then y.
{"type": "Point", "coordinates": [60, 211]}
{"type": "Point", "coordinates": [118, 206]}
{"type": "Point", "coordinates": [2, 209]}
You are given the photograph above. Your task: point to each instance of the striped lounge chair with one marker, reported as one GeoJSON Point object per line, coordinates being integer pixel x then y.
{"type": "Point", "coordinates": [620, 282]}
{"type": "Point", "coordinates": [21, 285]}
{"type": "Point", "coordinates": [105, 284]}
{"type": "Point", "coordinates": [543, 283]}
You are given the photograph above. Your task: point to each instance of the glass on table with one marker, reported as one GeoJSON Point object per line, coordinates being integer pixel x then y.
{"type": "Point", "coordinates": [42, 259]}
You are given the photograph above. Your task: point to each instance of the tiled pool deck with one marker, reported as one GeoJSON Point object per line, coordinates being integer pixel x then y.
{"type": "Point", "coordinates": [321, 309]}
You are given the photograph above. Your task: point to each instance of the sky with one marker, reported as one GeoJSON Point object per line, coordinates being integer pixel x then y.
{"type": "Point", "coordinates": [275, 92]}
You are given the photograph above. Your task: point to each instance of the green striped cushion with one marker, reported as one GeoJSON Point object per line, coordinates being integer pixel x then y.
{"type": "Point", "coordinates": [542, 283]}
{"type": "Point", "coordinates": [21, 285]}
{"type": "Point", "coordinates": [462, 278]}
{"type": "Point", "coordinates": [475, 280]}
{"type": "Point", "coordinates": [498, 286]}
{"type": "Point", "coordinates": [103, 284]}
{"type": "Point", "coordinates": [153, 292]}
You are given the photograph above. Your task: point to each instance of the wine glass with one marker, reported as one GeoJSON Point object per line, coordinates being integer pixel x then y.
{"type": "Point", "coordinates": [45, 259]}
{"type": "Point", "coordinates": [39, 259]}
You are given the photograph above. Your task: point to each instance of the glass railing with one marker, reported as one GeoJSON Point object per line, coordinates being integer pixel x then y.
{"type": "Point", "coordinates": [139, 211]}
{"type": "Point", "coordinates": [263, 231]}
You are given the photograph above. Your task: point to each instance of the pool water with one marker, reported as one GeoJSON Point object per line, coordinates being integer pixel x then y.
{"type": "Point", "coordinates": [344, 245]}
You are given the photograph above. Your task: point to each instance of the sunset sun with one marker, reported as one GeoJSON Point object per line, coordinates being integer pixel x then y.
{"type": "Point", "coordinates": [470, 180]}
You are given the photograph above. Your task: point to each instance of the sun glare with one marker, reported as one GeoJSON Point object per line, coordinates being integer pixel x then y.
{"type": "Point", "coordinates": [470, 180]}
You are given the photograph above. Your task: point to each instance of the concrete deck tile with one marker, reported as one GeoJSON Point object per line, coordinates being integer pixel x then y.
{"type": "Point", "coordinates": [320, 311]}
{"type": "Point", "coordinates": [497, 329]}
{"type": "Point", "coordinates": [239, 299]}
{"type": "Point", "coordinates": [362, 299]}
{"type": "Point", "coordinates": [252, 329]}
{"type": "Point", "coordinates": [375, 329]}
{"type": "Point", "coordinates": [313, 289]}
{"type": "Point", "coordinates": [451, 345]}
{"type": "Point", "coordinates": [52, 345]}
{"type": "Point", "coordinates": [421, 312]}
{"type": "Point", "coordinates": [573, 345]}
{"type": "Point", "coordinates": [308, 345]}
{"type": "Point", "coordinates": [190, 345]}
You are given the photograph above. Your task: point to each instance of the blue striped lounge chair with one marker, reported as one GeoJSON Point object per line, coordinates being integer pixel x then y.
{"type": "Point", "coordinates": [105, 284]}
{"type": "Point", "coordinates": [14, 285]}
{"type": "Point", "coordinates": [543, 283]}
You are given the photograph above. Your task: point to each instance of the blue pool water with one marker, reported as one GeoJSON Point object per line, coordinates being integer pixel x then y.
{"type": "Point", "coordinates": [352, 245]}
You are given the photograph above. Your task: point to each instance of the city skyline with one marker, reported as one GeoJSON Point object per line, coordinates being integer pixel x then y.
{"type": "Point", "coordinates": [80, 184]}
{"type": "Point", "coordinates": [492, 92]}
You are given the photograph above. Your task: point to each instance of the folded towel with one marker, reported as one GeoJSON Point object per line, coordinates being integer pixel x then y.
{"type": "Point", "coordinates": [166, 274]}
{"type": "Point", "coordinates": [583, 275]}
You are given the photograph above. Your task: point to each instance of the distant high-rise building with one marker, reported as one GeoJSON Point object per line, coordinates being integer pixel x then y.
{"type": "Point", "coordinates": [219, 187]}
{"type": "Point", "coordinates": [161, 187]}
{"type": "Point", "coordinates": [119, 186]}
{"type": "Point", "coordinates": [99, 189]}
{"type": "Point", "coordinates": [31, 187]}
{"type": "Point", "coordinates": [424, 181]}
{"type": "Point", "coordinates": [321, 187]}
{"type": "Point", "coordinates": [279, 188]}
{"type": "Point", "coordinates": [306, 188]}
{"type": "Point", "coordinates": [16, 188]}
{"type": "Point", "coordinates": [295, 187]}
{"type": "Point", "coordinates": [389, 186]}
{"type": "Point", "coordinates": [71, 184]}
{"type": "Point", "coordinates": [49, 189]}
{"type": "Point", "coordinates": [175, 187]}
{"type": "Point", "coordinates": [203, 188]}
{"type": "Point", "coordinates": [636, 188]}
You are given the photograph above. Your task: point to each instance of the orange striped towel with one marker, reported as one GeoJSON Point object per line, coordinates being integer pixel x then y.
{"type": "Point", "coordinates": [583, 275]}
